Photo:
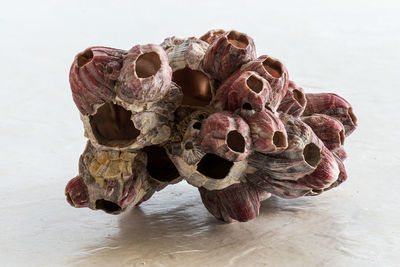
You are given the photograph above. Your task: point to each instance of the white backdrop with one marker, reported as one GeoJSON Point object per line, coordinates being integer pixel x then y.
{"type": "Point", "coordinates": [347, 47]}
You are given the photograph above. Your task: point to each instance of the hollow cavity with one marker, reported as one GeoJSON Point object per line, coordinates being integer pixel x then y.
{"type": "Point", "coordinates": [247, 106]}
{"type": "Point", "coordinates": [107, 206]}
{"type": "Point", "coordinates": [279, 139]}
{"type": "Point", "coordinates": [112, 126]}
{"type": "Point", "coordinates": [85, 57]}
{"type": "Point", "coordinates": [312, 154]}
{"type": "Point", "coordinates": [147, 64]}
{"type": "Point", "coordinates": [195, 86]}
{"type": "Point", "coordinates": [255, 84]}
{"type": "Point", "coordinates": [238, 39]}
{"type": "Point", "coordinates": [214, 166]}
{"type": "Point", "coordinates": [159, 166]}
{"type": "Point", "coordinates": [299, 97]}
{"type": "Point", "coordinates": [273, 67]}
{"type": "Point", "coordinates": [236, 141]}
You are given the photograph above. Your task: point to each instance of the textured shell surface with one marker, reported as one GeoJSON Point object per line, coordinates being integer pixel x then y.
{"type": "Point", "coordinates": [206, 110]}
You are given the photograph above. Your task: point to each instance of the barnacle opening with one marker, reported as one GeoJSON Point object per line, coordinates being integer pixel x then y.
{"type": "Point", "coordinates": [341, 137]}
{"type": "Point", "coordinates": [211, 36]}
{"type": "Point", "coordinates": [247, 106]}
{"type": "Point", "coordinates": [279, 139]}
{"type": "Point", "coordinates": [189, 145]}
{"type": "Point", "coordinates": [352, 116]}
{"type": "Point", "coordinates": [195, 86]}
{"type": "Point", "coordinates": [147, 64]}
{"type": "Point", "coordinates": [299, 97]}
{"type": "Point", "coordinates": [85, 57]}
{"type": "Point", "coordinates": [273, 67]}
{"type": "Point", "coordinates": [214, 166]}
{"type": "Point", "coordinates": [159, 165]}
{"type": "Point", "coordinates": [255, 84]}
{"type": "Point", "coordinates": [235, 141]}
{"type": "Point", "coordinates": [109, 70]}
{"type": "Point", "coordinates": [312, 154]}
{"type": "Point", "coordinates": [107, 206]}
{"type": "Point", "coordinates": [197, 125]}
{"type": "Point", "coordinates": [238, 39]}
{"type": "Point", "coordinates": [112, 126]}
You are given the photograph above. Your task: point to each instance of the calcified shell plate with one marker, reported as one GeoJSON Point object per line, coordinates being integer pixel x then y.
{"type": "Point", "coordinates": [206, 110]}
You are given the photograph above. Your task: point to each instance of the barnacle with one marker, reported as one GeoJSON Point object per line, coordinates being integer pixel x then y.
{"type": "Point", "coordinates": [206, 110]}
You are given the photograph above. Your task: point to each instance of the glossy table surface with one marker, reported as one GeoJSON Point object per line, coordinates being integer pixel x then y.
{"type": "Point", "coordinates": [347, 47]}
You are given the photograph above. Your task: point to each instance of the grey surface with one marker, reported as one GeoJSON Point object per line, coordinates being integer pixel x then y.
{"type": "Point", "coordinates": [347, 47]}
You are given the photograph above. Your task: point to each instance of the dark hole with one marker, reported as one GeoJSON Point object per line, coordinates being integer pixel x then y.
{"type": "Point", "coordinates": [107, 206]}
{"type": "Point", "coordinates": [195, 86]}
{"type": "Point", "coordinates": [85, 57]}
{"type": "Point", "coordinates": [342, 137]}
{"type": "Point", "coordinates": [273, 67]}
{"type": "Point", "coordinates": [214, 166]}
{"type": "Point", "coordinates": [201, 117]}
{"type": "Point", "coordinates": [189, 145]}
{"type": "Point", "coordinates": [247, 106]}
{"type": "Point", "coordinates": [236, 141]}
{"type": "Point", "coordinates": [299, 96]}
{"type": "Point", "coordinates": [255, 84]}
{"type": "Point", "coordinates": [197, 125]}
{"type": "Point", "coordinates": [279, 139]}
{"type": "Point", "coordinates": [147, 64]}
{"type": "Point", "coordinates": [238, 39]}
{"type": "Point", "coordinates": [312, 154]}
{"type": "Point", "coordinates": [159, 166]}
{"type": "Point", "coordinates": [109, 69]}
{"type": "Point", "coordinates": [112, 126]}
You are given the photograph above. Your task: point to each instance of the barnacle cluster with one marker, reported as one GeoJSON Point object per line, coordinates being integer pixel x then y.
{"type": "Point", "coordinates": [206, 110]}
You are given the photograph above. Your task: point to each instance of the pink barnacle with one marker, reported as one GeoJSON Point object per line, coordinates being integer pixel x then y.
{"type": "Point", "coordinates": [334, 106]}
{"type": "Point", "coordinates": [294, 102]}
{"type": "Point", "coordinates": [226, 135]}
{"type": "Point", "coordinates": [275, 73]}
{"type": "Point", "coordinates": [145, 75]}
{"type": "Point", "coordinates": [228, 53]}
{"type": "Point", "coordinates": [92, 76]}
{"type": "Point", "coordinates": [267, 132]}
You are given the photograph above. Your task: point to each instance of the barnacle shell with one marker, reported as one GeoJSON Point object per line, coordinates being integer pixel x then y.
{"type": "Point", "coordinates": [108, 180]}
{"type": "Point", "coordinates": [228, 53]}
{"type": "Point", "coordinates": [275, 73]}
{"type": "Point", "coordinates": [208, 111]}
{"type": "Point", "coordinates": [225, 135]}
{"type": "Point", "coordinates": [267, 132]}
{"type": "Point", "coordinates": [248, 91]}
{"type": "Point", "coordinates": [334, 106]}
{"type": "Point", "coordinates": [203, 169]}
{"type": "Point", "coordinates": [321, 179]}
{"type": "Point", "coordinates": [145, 74]}
{"type": "Point", "coordinates": [328, 129]}
{"type": "Point", "coordinates": [238, 202]}
{"type": "Point", "coordinates": [77, 193]}
{"type": "Point", "coordinates": [301, 157]}
{"type": "Point", "coordinates": [118, 125]}
{"type": "Point", "coordinates": [211, 35]}
{"type": "Point", "coordinates": [112, 181]}
{"type": "Point", "coordinates": [92, 76]}
{"type": "Point", "coordinates": [294, 102]}
{"type": "Point", "coordinates": [340, 153]}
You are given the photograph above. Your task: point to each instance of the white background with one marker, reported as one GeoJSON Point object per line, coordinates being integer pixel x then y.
{"type": "Point", "coordinates": [347, 47]}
